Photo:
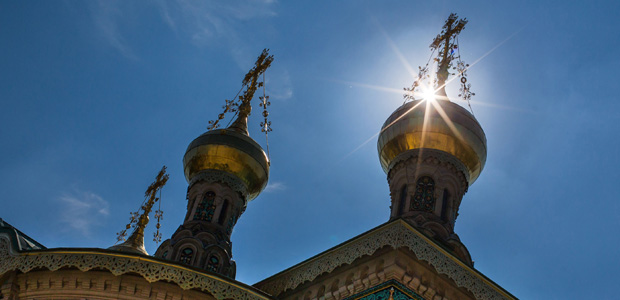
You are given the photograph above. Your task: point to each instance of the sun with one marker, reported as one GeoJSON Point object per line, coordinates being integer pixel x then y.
{"type": "Point", "coordinates": [429, 95]}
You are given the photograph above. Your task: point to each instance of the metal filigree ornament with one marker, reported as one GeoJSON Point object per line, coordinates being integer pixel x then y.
{"type": "Point", "coordinates": [159, 215]}
{"type": "Point", "coordinates": [121, 236]}
{"type": "Point", "coordinates": [230, 106]}
{"type": "Point", "coordinates": [266, 124]}
{"type": "Point", "coordinates": [414, 89]}
{"type": "Point", "coordinates": [446, 46]}
{"type": "Point", "coordinates": [465, 89]}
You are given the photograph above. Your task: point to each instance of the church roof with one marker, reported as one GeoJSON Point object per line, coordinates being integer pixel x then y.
{"type": "Point", "coordinates": [395, 234]}
{"type": "Point", "coordinates": [118, 263]}
{"type": "Point", "coordinates": [20, 241]}
{"type": "Point", "coordinates": [13, 244]}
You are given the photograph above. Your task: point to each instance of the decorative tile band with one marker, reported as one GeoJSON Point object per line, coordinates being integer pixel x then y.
{"type": "Point", "coordinates": [382, 292]}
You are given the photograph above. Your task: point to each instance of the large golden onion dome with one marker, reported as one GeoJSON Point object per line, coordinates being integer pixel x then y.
{"type": "Point", "coordinates": [229, 153]}
{"type": "Point", "coordinates": [403, 131]}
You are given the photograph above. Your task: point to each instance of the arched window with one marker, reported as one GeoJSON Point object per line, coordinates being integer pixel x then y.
{"type": "Point", "coordinates": [403, 200]}
{"type": "Point", "coordinates": [444, 205]}
{"type": "Point", "coordinates": [424, 197]}
{"type": "Point", "coordinates": [165, 254]}
{"type": "Point", "coordinates": [206, 207]}
{"type": "Point", "coordinates": [213, 263]}
{"type": "Point", "coordinates": [222, 216]}
{"type": "Point", "coordinates": [186, 255]}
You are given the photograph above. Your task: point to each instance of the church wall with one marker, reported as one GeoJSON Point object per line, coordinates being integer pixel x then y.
{"type": "Point", "coordinates": [370, 271]}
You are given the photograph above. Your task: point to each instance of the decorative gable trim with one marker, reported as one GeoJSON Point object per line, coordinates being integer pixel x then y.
{"type": "Point", "coordinates": [390, 289]}
{"type": "Point", "coordinates": [395, 234]}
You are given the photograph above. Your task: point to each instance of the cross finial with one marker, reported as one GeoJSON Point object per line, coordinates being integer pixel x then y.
{"type": "Point", "coordinates": [251, 81]}
{"type": "Point", "coordinates": [242, 104]}
{"type": "Point", "coordinates": [135, 242]}
{"type": "Point", "coordinates": [446, 43]}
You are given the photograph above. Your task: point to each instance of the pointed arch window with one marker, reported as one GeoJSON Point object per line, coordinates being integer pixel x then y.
{"type": "Point", "coordinates": [213, 263]}
{"type": "Point", "coordinates": [424, 197]}
{"type": "Point", "coordinates": [206, 207]}
{"type": "Point", "coordinates": [186, 255]}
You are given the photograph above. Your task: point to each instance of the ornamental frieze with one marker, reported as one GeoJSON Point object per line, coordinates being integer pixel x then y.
{"type": "Point", "coordinates": [150, 269]}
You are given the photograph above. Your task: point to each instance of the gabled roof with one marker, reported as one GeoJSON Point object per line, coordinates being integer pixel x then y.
{"type": "Point", "coordinates": [19, 240]}
{"type": "Point", "coordinates": [395, 234]}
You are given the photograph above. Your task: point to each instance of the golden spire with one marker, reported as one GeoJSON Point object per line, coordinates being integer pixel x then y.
{"type": "Point", "coordinates": [243, 108]}
{"type": "Point", "coordinates": [135, 242]}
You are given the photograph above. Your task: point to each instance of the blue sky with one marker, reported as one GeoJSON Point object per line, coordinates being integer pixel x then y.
{"type": "Point", "coordinates": [96, 96]}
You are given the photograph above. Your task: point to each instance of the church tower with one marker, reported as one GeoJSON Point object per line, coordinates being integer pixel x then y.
{"type": "Point", "coordinates": [225, 169]}
{"type": "Point", "coordinates": [432, 149]}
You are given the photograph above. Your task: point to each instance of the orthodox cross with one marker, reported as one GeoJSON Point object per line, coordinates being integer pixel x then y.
{"type": "Point", "coordinates": [242, 105]}
{"type": "Point", "coordinates": [251, 81]}
{"type": "Point", "coordinates": [135, 242]}
{"type": "Point", "coordinates": [446, 43]}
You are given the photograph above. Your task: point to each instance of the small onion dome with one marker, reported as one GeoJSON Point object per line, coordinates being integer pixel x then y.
{"type": "Point", "coordinates": [229, 156]}
{"type": "Point", "coordinates": [402, 132]}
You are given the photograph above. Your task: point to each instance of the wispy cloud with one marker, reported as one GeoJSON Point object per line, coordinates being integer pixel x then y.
{"type": "Point", "coordinates": [81, 210]}
{"type": "Point", "coordinates": [206, 23]}
{"type": "Point", "coordinates": [207, 20]}
{"type": "Point", "coordinates": [106, 16]}
{"type": "Point", "coordinates": [278, 83]}
{"type": "Point", "coordinates": [275, 186]}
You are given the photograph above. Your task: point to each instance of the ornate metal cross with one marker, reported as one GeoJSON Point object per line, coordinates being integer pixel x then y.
{"type": "Point", "coordinates": [242, 106]}
{"type": "Point", "coordinates": [251, 81]}
{"type": "Point", "coordinates": [135, 242]}
{"type": "Point", "coordinates": [445, 42]}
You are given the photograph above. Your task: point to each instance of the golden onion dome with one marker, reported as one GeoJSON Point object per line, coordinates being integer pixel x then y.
{"type": "Point", "coordinates": [403, 131]}
{"type": "Point", "coordinates": [228, 154]}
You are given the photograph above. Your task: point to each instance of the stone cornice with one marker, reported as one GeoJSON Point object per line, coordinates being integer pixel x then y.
{"type": "Point", "coordinates": [395, 234]}
{"type": "Point", "coordinates": [151, 269]}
